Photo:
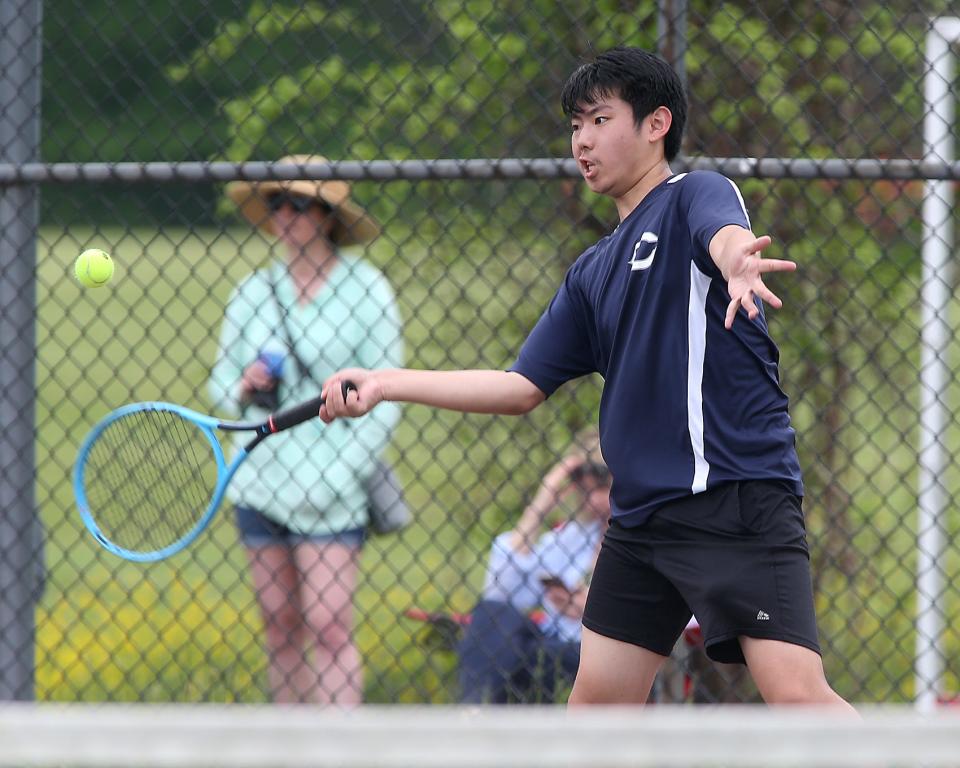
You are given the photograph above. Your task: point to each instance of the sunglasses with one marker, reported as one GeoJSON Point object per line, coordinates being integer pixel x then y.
{"type": "Point", "coordinates": [298, 203]}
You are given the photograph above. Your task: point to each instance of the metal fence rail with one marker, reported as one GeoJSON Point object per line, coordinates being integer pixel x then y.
{"type": "Point", "coordinates": [481, 169]}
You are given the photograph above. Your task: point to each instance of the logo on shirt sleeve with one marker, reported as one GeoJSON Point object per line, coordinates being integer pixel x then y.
{"type": "Point", "coordinates": [644, 252]}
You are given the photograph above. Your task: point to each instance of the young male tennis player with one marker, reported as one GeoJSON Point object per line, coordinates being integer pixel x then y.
{"type": "Point", "coordinates": [706, 496]}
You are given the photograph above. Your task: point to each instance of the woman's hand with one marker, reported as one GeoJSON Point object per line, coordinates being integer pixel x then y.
{"type": "Point", "coordinates": [255, 378]}
{"type": "Point", "coordinates": [561, 474]}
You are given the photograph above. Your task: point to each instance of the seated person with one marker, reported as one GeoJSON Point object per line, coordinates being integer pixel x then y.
{"type": "Point", "coordinates": [505, 654]}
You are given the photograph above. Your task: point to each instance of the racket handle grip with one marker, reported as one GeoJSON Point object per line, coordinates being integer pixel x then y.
{"type": "Point", "coordinates": [303, 412]}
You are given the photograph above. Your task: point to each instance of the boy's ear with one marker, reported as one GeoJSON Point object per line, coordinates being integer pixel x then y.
{"type": "Point", "coordinates": [660, 121]}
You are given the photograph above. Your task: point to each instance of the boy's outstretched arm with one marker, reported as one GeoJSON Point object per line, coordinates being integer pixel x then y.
{"type": "Point", "coordinates": [500, 392]}
{"type": "Point", "coordinates": [736, 252]}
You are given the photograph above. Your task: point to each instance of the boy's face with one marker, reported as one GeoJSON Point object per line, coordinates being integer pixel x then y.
{"type": "Point", "coordinates": [611, 152]}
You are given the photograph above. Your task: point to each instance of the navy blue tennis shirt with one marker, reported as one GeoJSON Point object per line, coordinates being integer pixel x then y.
{"type": "Point", "coordinates": [686, 403]}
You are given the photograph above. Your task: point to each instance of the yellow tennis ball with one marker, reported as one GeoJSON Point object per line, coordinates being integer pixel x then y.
{"type": "Point", "coordinates": [93, 268]}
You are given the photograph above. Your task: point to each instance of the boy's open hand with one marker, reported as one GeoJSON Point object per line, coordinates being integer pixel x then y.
{"type": "Point", "coordinates": [745, 284]}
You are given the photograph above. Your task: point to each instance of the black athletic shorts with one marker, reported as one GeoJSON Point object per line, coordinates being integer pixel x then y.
{"type": "Point", "coordinates": [735, 556]}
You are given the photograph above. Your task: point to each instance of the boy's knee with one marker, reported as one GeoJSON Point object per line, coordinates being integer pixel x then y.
{"type": "Point", "coordinates": [799, 691]}
{"type": "Point", "coordinates": [590, 691]}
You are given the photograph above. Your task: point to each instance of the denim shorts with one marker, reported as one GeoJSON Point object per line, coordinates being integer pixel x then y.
{"type": "Point", "coordinates": [257, 530]}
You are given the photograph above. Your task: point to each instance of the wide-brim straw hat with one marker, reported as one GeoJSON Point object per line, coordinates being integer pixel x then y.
{"type": "Point", "coordinates": [354, 224]}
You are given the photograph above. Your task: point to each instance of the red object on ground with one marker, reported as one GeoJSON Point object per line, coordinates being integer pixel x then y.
{"type": "Point", "coordinates": [418, 614]}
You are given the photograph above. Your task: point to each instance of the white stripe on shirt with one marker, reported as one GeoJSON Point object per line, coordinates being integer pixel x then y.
{"type": "Point", "coordinates": [696, 350]}
{"type": "Point", "coordinates": [743, 205]}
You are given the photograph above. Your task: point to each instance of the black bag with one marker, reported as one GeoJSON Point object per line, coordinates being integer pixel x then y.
{"type": "Point", "coordinates": [386, 506]}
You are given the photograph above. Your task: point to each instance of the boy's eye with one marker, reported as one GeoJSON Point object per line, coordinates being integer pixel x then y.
{"type": "Point", "coordinates": [600, 119]}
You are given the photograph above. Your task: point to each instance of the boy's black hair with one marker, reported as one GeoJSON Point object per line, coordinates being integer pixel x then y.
{"type": "Point", "coordinates": [642, 79]}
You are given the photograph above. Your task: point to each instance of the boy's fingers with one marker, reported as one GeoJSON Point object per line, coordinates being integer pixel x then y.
{"type": "Point", "coordinates": [777, 265]}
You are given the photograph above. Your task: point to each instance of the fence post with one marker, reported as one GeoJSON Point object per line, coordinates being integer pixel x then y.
{"type": "Point", "coordinates": [935, 374]}
{"type": "Point", "coordinates": [672, 35]}
{"type": "Point", "coordinates": [20, 54]}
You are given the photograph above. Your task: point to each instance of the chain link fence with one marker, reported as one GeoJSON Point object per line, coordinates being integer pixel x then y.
{"type": "Point", "coordinates": [120, 124]}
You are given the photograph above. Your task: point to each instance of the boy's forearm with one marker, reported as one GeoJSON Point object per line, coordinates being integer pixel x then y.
{"type": "Point", "coordinates": [479, 391]}
{"type": "Point", "coordinates": [725, 242]}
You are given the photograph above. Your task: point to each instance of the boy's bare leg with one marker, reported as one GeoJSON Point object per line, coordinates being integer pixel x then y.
{"type": "Point", "coordinates": [613, 672]}
{"type": "Point", "coordinates": [789, 674]}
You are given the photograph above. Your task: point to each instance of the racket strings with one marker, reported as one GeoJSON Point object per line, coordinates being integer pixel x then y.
{"type": "Point", "coordinates": [149, 478]}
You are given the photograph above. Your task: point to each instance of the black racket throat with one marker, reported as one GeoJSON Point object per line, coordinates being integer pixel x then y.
{"type": "Point", "coordinates": [283, 420]}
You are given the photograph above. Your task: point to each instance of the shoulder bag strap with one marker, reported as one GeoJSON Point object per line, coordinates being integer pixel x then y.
{"type": "Point", "coordinates": [301, 366]}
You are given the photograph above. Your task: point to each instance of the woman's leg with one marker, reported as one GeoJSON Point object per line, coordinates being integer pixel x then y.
{"type": "Point", "coordinates": [275, 580]}
{"type": "Point", "coordinates": [328, 573]}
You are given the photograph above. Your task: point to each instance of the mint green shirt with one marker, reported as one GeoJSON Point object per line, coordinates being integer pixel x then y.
{"type": "Point", "coordinates": [310, 478]}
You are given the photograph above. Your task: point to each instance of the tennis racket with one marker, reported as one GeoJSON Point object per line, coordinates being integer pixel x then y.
{"type": "Point", "coordinates": [150, 476]}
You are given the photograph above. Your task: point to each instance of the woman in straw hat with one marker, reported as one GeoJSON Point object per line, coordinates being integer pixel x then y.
{"type": "Point", "coordinates": [301, 504]}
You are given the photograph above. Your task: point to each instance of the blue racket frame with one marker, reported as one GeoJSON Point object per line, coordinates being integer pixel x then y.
{"type": "Point", "coordinates": [225, 472]}
{"type": "Point", "coordinates": [276, 422]}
